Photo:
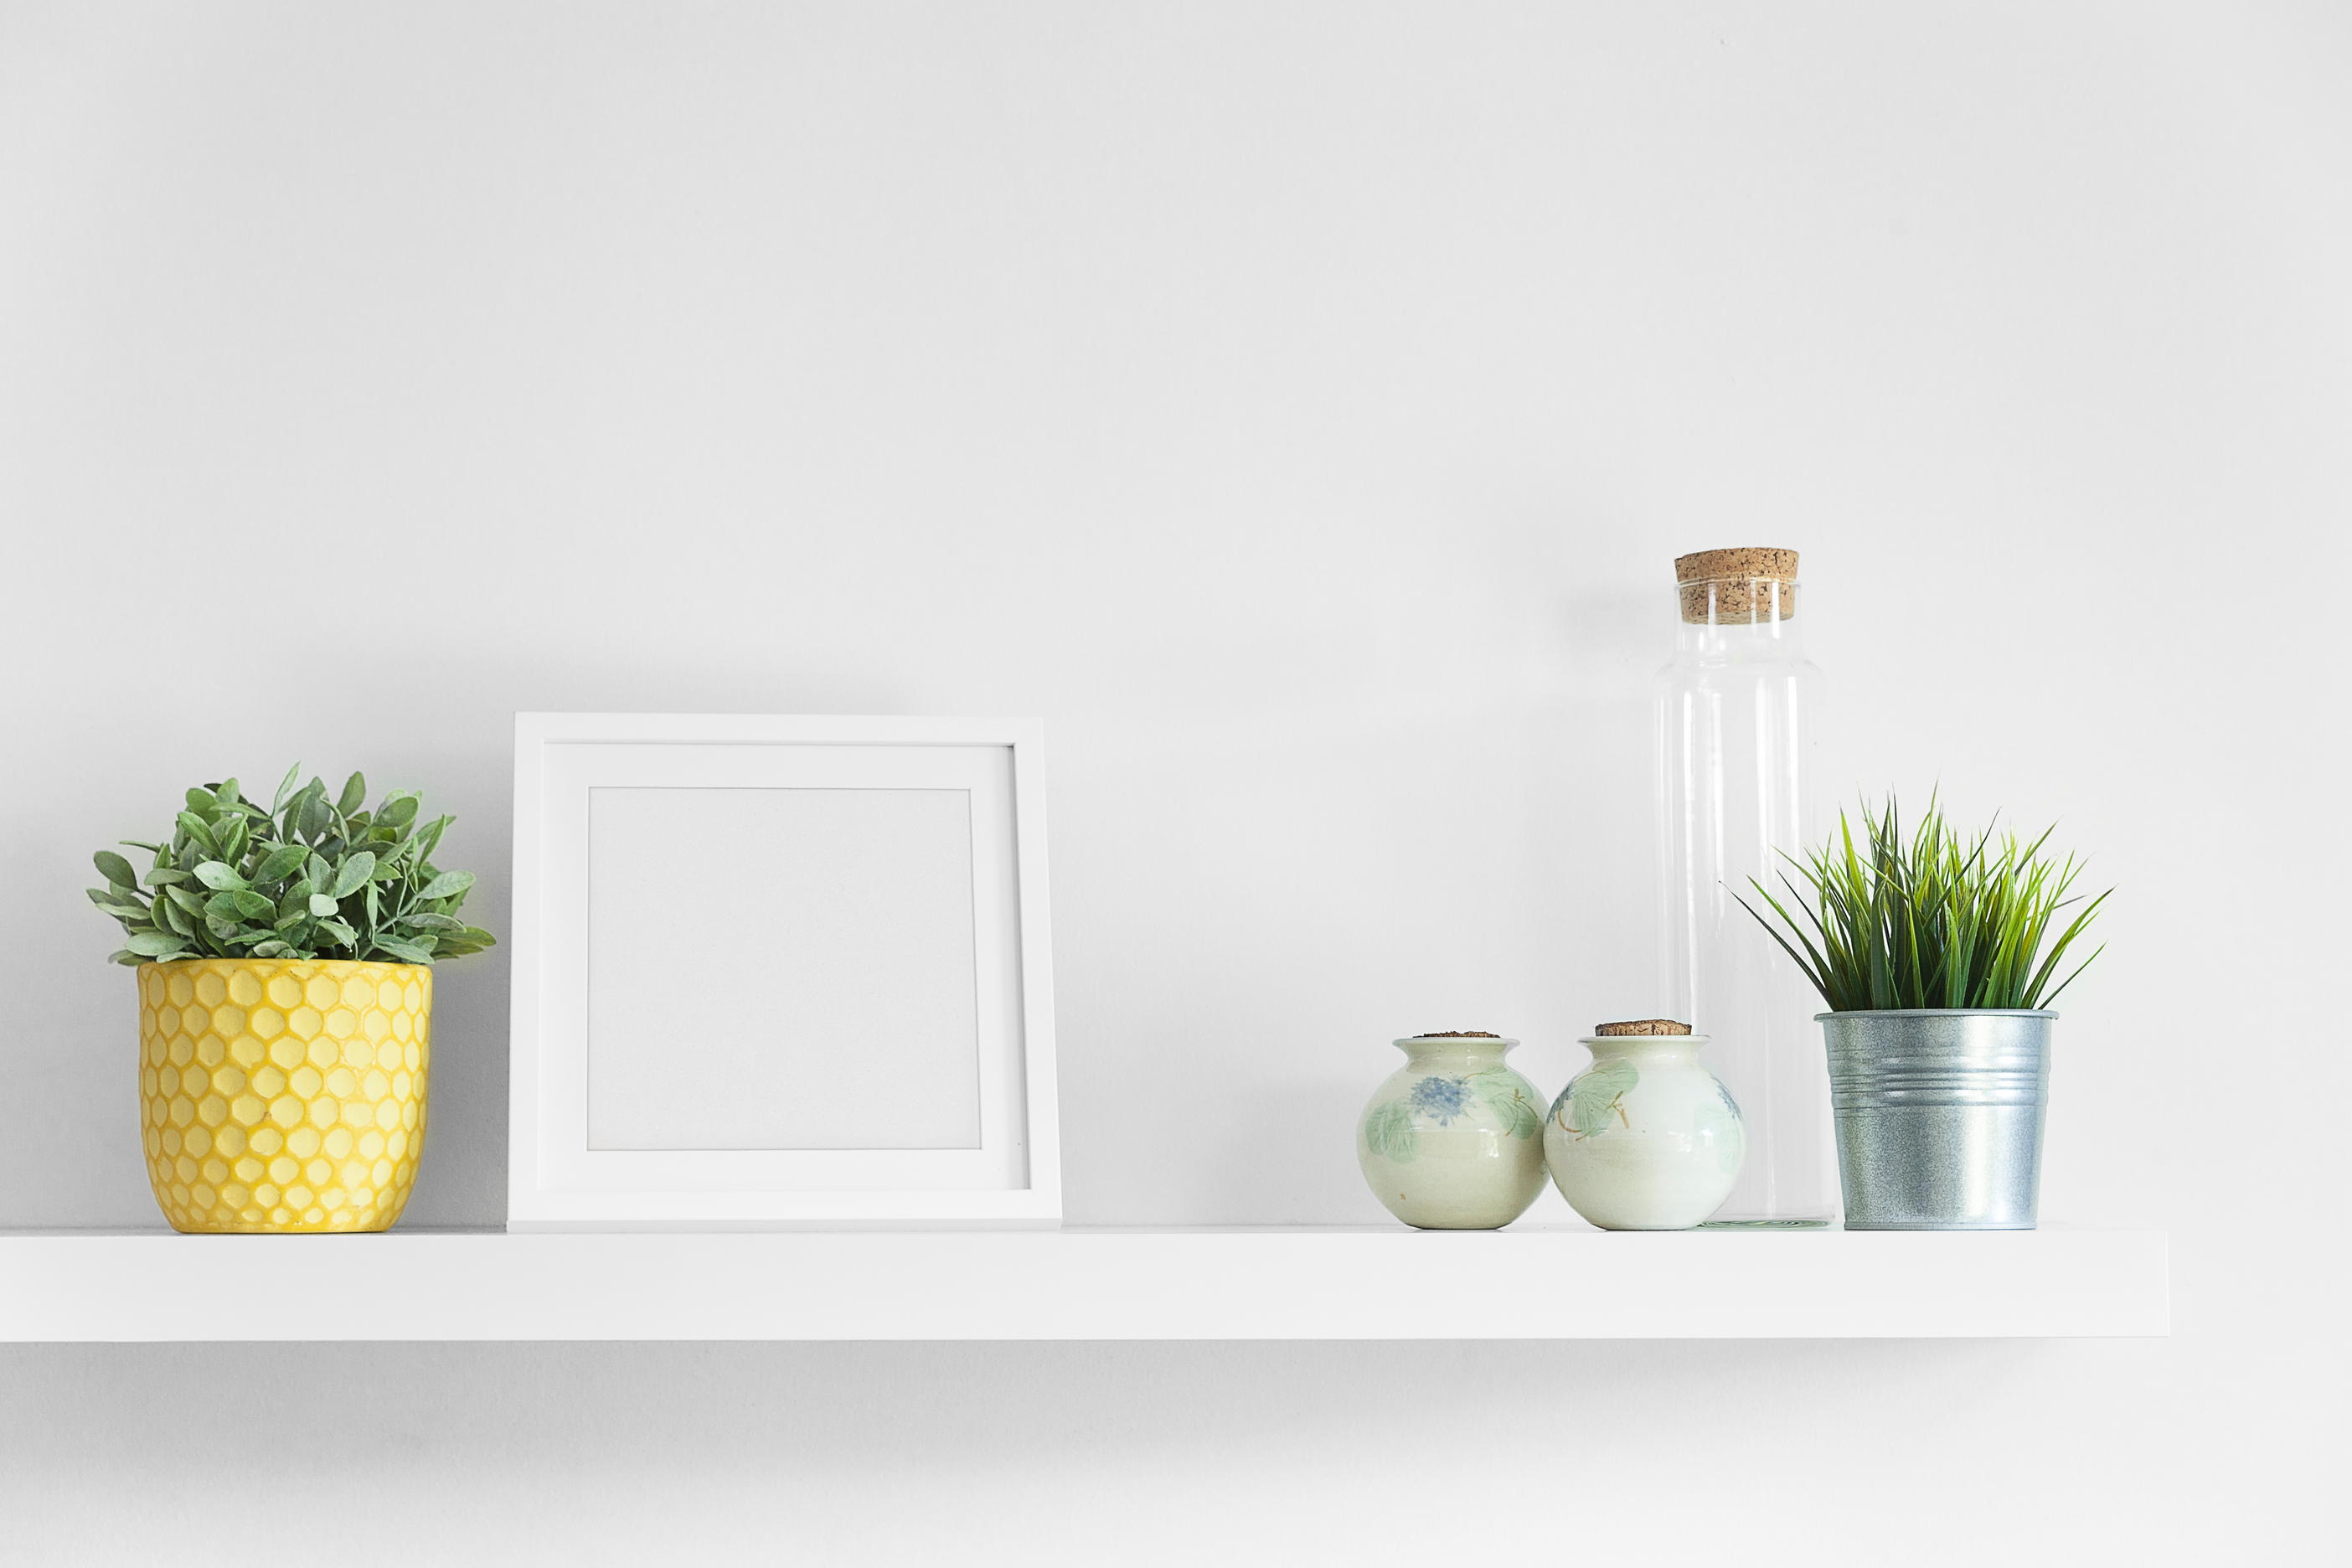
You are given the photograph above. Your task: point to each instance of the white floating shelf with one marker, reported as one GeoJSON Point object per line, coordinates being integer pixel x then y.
{"type": "Point", "coordinates": [1385, 1283]}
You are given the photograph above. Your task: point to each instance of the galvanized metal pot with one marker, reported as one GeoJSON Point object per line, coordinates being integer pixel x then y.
{"type": "Point", "coordinates": [1939, 1114]}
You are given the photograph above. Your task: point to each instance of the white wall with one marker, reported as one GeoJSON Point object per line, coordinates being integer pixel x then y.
{"type": "Point", "coordinates": [1298, 406]}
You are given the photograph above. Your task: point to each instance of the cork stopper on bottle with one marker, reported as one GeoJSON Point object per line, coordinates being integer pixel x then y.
{"type": "Point", "coordinates": [1641, 1027]}
{"type": "Point", "coordinates": [1718, 585]}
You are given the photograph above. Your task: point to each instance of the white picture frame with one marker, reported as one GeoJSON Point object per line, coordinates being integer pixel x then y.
{"type": "Point", "coordinates": [779, 971]}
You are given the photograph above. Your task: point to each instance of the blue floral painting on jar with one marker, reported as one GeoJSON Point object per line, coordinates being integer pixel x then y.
{"type": "Point", "coordinates": [1443, 1098]}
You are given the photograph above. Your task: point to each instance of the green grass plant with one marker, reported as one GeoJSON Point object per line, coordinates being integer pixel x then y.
{"type": "Point", "coordinates": [1931, 921]}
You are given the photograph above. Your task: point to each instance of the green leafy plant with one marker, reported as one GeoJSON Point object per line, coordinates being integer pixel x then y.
{"type": "Point", "coordinates": [309, 877]}
{"type": "Point", "coordinates": [1931, 921]}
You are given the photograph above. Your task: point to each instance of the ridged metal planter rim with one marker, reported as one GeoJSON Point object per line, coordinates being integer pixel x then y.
{"type": "Point", "coordinates": [1938, 1013]}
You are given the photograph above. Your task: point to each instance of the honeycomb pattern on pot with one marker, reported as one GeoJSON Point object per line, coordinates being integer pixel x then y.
{"type": "Point", "coordinates": [278, 1095]}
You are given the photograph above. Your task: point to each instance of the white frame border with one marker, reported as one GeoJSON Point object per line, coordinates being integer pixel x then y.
{"type": "Point", "coordinates": [534, 1206]}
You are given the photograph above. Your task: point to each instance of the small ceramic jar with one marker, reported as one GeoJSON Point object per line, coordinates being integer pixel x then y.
{"type": "Point", "coordinates": [1451, 1140]}
{"type": "Point", "coordinates": [1645, 1138]}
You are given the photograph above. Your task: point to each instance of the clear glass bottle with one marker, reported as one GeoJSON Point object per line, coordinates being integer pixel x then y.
{"type": "Point", "coordinates": [1738, 717]}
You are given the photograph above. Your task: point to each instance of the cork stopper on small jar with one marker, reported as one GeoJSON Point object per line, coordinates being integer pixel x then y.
{"type": "Point", "coordinates": [1459, 1035]}
{"type": "Point", "coordinates": [1641, 1027]}
{"type": "Point", "coordinates": [1718, 585]}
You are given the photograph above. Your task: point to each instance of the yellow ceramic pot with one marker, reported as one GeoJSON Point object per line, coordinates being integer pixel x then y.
{"type": "Point", "coordinates": [280, 1095]}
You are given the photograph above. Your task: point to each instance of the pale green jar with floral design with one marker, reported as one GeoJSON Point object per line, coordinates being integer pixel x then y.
{"type": "Point", "coordinates": [1454, 1140]}
{"type": "Point", "coordinates": [1646, 1138]}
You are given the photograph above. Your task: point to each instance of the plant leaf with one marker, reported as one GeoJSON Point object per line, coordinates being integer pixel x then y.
{"type": "Point", "coordinates": [218, 877]}
{"type": "Point", "coordinates": [115, 868]}
{"type": "Point", "coordinates": [448, 884]}
{"type": "Point", "coordinates": [279, 864]}
{"type": "Point", "coordinates": [354, 795]}
{"type": "Point", "coordinates": [156, 945]}
{"type": "Point", "coordinates": [353, 873]}
{"type": "Point", "coordinates": [427, 839]}
{"type": "Point", "coordinates": [199, 833]}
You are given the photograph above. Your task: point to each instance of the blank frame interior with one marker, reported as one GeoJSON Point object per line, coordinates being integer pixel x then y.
{"type": "Point", "coordinates": [851, 1021]}
{"type": "Point", "coordinates": [777, 970]}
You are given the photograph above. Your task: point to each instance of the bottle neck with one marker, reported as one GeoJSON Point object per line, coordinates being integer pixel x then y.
{"type": "Point", "coordinates": [1655, 1049]}
{"type": "Point", "coordinates": [1739, 619]}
